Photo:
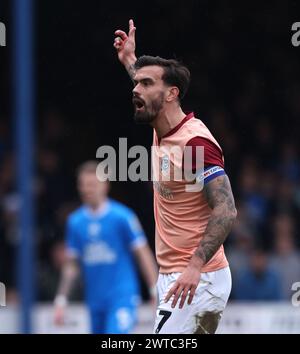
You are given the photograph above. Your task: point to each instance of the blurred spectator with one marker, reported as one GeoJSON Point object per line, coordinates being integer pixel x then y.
{"type": "Point", "coordinates": [289, 164]}
{"type": "Point", "coordinates": [254, 201]}
{"type": "Point", "coordinates": [284, 200]}
{"type": "Point", "coordinates": [285, 257]}
{"type": "Point", "coordinates": [241, 243]}
{"type": "Point", "coordinates": [9, 208]}
{"type": "Point", "coordinates": [259, 282]}
{"type": "Point", "coordinates": [53, 131]}
{"type": "Point", "coordinates": [52, 189]}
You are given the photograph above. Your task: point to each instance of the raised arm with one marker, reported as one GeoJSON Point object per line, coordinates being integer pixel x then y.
{"type": "Point", "coordinates": [125, 46]}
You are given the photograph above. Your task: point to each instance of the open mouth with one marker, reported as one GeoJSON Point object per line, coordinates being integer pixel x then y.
{"type": "Point", "coordinates": [138, 103]}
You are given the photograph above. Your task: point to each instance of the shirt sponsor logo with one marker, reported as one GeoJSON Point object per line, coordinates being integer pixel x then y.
{"type": "Point", "coordinates": [163, 191]}
{"type": "Point", "coordinates": [99, 253]}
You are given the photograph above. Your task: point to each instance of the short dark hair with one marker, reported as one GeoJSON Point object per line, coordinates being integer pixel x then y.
{"type": "Point", "coordinates": [175, 73]}
{"type": "Point", "coordinates": [91, 166]}
{"type": "Point", "coordinates": [87, 167]}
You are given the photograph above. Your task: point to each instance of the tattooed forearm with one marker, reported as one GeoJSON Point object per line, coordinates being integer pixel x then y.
{"type": "Point", "coordinates": [216, 232]}
{"type": "Point", "coordinates": [219, 197]}
{"type": "Point", "coordinates": [131, 71]}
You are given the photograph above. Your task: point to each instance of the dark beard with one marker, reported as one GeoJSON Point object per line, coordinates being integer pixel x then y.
{"type": "Point", "coordinates": [148, 115]}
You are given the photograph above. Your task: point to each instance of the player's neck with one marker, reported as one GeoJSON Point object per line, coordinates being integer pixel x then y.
{"type": "Point", "coordinates": [98, 207]}
{"type": "Point", "coordinates": [167, 120]}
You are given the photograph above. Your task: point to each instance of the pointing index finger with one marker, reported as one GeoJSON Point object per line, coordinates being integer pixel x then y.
{"type": "Point", "coordinates": [131, 32]}
{"type": "Point", "coordinates": [131, 25]}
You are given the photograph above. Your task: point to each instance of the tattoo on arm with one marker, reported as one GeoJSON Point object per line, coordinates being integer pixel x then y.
{"type": "Point", "coordinates": [131, 71]}
{"type": "Point", "coordinates": [219, 197]}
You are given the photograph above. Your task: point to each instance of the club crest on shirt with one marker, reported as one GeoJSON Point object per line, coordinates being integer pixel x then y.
{"type": "Point", "coordinates": [94, 229]}
{"type": "Point", "coordinates": [165, 164]}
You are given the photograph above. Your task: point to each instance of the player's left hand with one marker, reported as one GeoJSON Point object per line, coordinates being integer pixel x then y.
{"type": "Point", "coordinates": [125, 44]}
{"type": "Point", "coordinates": [185, 286]}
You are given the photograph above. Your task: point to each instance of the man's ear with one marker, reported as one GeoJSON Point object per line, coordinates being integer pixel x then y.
{"type": "Point", "coordinates": [173, 94]}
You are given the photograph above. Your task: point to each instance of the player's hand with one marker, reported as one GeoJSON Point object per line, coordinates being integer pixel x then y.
{"type": "Point", "coordinates": [185, 286]}
{"type": "Point", "coordinates": [125, 44]}
{"type": "Point", "coordinates": [59, 315]}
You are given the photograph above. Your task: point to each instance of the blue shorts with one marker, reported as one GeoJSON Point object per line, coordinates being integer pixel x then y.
{"type": "Point", "coordinates": [119, 318]}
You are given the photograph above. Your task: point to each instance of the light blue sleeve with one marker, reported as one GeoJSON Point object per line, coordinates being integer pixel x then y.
{"type": "Point", "coordinates": [134, 232]}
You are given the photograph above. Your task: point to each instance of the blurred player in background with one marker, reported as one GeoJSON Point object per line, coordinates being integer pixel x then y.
{"type": "Point", "coordinates": [190, 226]}
{"type": "Point", "coordinates": [104, 237]}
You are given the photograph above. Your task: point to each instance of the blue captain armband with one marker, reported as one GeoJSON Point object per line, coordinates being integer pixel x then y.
{"type": "Point", "coordinates": [209, 174]}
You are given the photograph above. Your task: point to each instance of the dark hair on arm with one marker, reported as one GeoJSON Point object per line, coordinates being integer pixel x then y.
{"type": "Point", "coordinates": [175, 73]}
